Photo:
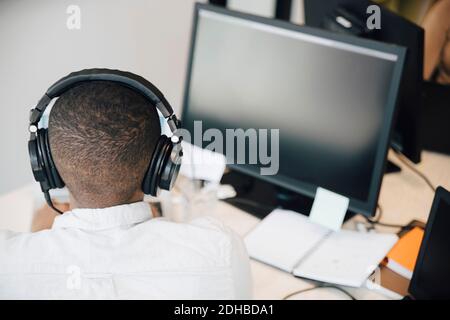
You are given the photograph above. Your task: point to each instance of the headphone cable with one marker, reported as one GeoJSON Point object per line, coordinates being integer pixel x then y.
{"type": "Point", "coordinates": [48, 199]}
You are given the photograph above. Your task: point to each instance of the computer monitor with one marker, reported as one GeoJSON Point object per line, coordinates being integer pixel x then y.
{"type": "Point", "coordinates": [431, 276]}
{"type": "Point", "coordinates": [397, 30]}
{"type": "Point", "coordinates": [332, 97]}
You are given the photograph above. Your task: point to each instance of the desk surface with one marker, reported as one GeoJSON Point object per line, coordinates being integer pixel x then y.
{"type": "Point", "coordinates": [404, 197]}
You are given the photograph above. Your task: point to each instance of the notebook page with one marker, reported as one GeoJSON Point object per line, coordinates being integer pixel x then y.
{"type": "Point", "coordinates": [282, 238]}
{"type": "Point", "coordinates": [346, 257]}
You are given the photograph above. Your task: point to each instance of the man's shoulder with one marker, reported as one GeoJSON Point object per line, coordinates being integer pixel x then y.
{"type": "Point", "coordinates": [213, 225]}
{"type": "Point", "coordinates": [196, 229]}
{"type": "Point", "coordinates": [25, 252]}
{"type": "Point", "coordinates": [12, 241]}
{"type": "Point", "coordinates": [202, 242]}
{"type": "Point", "coordinates": [205, 235]}
{"type": "Point", "coordinates": [14, 237]}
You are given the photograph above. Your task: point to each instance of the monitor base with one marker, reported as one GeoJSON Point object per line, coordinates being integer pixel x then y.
{"type": "Point", "coordinates": [392, 168]}
{"type": "Point", "coordinates": [259, 197]}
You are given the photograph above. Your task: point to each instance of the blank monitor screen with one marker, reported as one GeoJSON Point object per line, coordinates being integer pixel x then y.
{"type": "Point", "coordinates": [331, 100]}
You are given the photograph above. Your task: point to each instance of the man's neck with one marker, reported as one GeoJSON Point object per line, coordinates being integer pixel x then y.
{"type": "Point", "coordinates": [74, 204]}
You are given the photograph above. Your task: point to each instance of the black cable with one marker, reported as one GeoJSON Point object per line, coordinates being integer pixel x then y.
{"type": "Point", "coordinates": [407, 163]}
{"type": "Point", "coordinates": [376, 221]}
{"type": "Point", "coordinates": [319, 287]}
{"type": "Point", "coordinates": [377, 216]}
{"type": "Point", "coordinates": [401, 226]}
{"type": "Point", "coordinates": [48, 199]}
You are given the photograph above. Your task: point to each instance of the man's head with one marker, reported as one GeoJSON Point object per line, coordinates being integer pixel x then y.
{"type": "Point", "coordinates": [102, 136]}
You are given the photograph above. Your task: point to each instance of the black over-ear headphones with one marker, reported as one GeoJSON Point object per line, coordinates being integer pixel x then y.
{"type": "Point", "coordinates": [165, 161]}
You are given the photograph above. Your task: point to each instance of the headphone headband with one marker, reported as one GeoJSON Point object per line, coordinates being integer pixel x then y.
{"type": "Point", "coordinates": [127, 79]}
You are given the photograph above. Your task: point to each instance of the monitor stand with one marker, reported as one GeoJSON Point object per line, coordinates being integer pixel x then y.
{"type": "Point", "coordinates": [259, 197]}
{"type": "Point", "coordinates": [392, 167]}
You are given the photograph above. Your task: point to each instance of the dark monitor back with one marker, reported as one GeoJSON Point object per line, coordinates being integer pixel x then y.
{"type": "Point", "coordinates": [431, 277]}
{"type": "Point", "coordinates": [395, 30]}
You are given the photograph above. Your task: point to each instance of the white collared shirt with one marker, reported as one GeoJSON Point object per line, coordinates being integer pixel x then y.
{"type": "Point", "coordinates": [121, 253]}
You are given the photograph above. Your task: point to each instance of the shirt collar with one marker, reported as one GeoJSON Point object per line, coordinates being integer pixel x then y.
{"type": "Point", "coordinates": [105, 218]}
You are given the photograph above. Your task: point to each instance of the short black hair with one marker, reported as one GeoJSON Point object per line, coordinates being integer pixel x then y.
{"type": "Point", "coordinates": [102, 136]}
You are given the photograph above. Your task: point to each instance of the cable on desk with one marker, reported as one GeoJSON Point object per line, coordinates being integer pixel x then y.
{"type": "Point", "coordinates": [407, 163]}
{"type": "Point", "coordinates": [377, 221]}
{"type": "Point", "coordinates": [401, 226]}
{"type": "Point", "coordinates": [319, 287]}
{"type": "Point", "coordinates": [378, 215]}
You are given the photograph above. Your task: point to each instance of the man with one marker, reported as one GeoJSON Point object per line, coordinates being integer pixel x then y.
{"type": "Point", "coordinates": [108, 246]}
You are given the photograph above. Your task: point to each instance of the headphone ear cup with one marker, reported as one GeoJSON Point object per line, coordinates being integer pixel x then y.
{"type": "Point", "coordinates": [44, 169]}
{"type": "Point", "coordinates": [151, 178]}
{"type": "Point", "coordinates": [42, 155]}
{"type": "Point", "coordinates": [171, 165]}
{"type": "Point", "coordinates": [37, 165]}
{"type": "Point", "coordinates": [57, 180]}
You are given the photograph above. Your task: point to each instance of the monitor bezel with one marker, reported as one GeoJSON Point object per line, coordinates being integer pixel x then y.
{"type": "Point", "coordinates": [308, 189]}
{"type": "Point", "coordinates": [414, 289]}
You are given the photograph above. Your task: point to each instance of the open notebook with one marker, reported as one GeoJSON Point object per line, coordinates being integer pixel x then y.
{"type": "Point", "coordinates": [291, 242]}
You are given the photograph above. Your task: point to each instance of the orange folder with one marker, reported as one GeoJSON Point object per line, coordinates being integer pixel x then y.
{"type": "Point", "coordinates": [403, 255]}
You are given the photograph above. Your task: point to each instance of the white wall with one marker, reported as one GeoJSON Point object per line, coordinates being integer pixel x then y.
{"type": "Point", "coordinates": [148, 37]}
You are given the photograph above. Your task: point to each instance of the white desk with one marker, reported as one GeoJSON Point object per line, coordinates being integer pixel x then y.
{"type": "Point", "coordinates": [404, 197]}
